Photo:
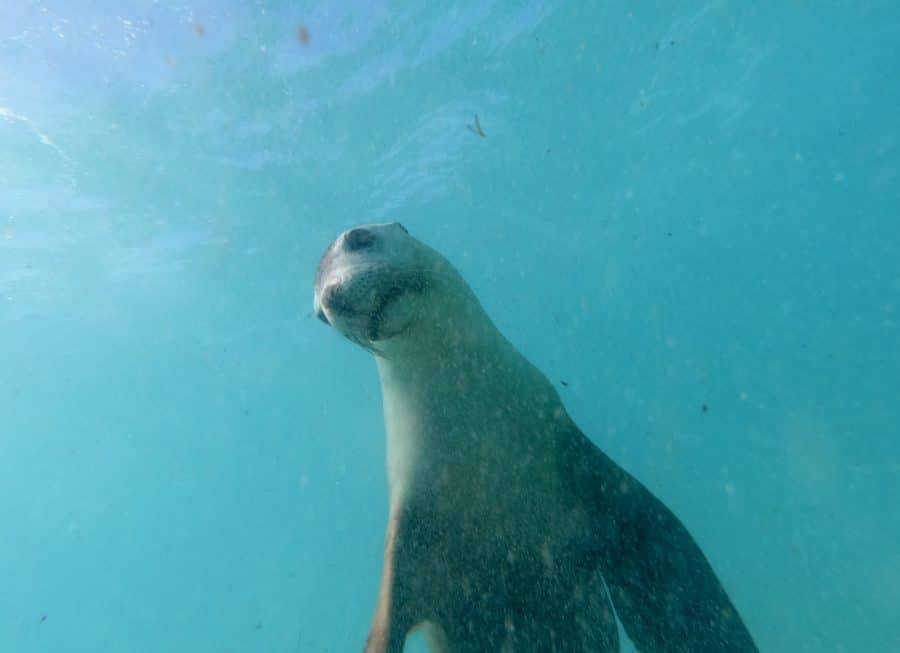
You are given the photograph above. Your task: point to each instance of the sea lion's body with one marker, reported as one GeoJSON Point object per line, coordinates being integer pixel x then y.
{"type": "Point", "coordinates": [508, 529]}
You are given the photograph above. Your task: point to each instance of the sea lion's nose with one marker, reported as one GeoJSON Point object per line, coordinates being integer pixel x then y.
{"type": "Point", "coordinates": [358, 238]}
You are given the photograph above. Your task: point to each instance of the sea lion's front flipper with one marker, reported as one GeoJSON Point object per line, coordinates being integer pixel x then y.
{"type": "Point", "coordinates": [392, 619]}
{"type": "Point", "coordinates": [664, 590]}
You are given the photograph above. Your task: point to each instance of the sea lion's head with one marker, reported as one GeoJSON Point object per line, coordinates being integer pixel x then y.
{"type": "Point", "coordinates": [384, 289]}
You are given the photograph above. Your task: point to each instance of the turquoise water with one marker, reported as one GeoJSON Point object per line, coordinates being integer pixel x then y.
{"type": "Point", "coordinates": [673, 207]}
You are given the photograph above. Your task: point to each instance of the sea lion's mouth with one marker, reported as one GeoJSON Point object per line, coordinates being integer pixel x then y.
{"type": "Point", "coordinates": [404, 284]}
{"type": "Point", "coordinates": [366, 302]}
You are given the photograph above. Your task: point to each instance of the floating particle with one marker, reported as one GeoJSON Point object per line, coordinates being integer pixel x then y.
{"type": "Point", "coordinates": [303, 35]}
{"type": "Point", "coordinates": [43, 618]}
{"type": "Point", "coordinates": [476, 129]}
{"type": "Point", "coordinates": [704, 408]}
{"type": "Point", "coordinates": [565, 383]}
{"type": "Point", "coordinates": [199, 30]}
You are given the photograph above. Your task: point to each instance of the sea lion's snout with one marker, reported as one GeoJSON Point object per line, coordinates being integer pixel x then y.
{"type": "Point", "coordinates": [362, 273]}
{"type": "Point", "coordinates": [333, 298]}
{"type": "Point", "coordinates": [357, 239]}
{"type": "Point", "coordinates": [336, 299]}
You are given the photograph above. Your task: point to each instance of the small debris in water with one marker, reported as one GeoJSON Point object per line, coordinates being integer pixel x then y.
{"type": "Point", "coordinates": [565, 383]}
{"type": "Point", "coordinates": [303, 35]}
{"type": "Point", "coordinates": [476, 128]}
{"type": "Point", "coordinates": [704, 408]}
{"type": "Point", "coordinates": [43, 618]}
{"type": "Point", "coordinates": [199, 30]}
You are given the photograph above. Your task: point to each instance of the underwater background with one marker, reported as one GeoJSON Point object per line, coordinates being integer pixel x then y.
{"type": "Point", "coordinates": [686, 214]}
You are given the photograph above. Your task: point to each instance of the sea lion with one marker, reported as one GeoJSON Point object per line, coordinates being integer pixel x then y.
{"type": "Point", "coordinates": [508, 529]}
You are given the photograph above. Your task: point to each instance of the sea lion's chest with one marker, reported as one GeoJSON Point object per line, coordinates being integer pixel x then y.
{"type": "Point", "coordinates": [489, 482]}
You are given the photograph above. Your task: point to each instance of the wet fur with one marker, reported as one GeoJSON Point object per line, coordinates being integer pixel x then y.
{"type": "Point", "coordinates": [508, 529]}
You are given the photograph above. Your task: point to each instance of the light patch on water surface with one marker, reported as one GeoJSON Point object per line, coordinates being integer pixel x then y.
{"type": "Point", "coordinates": [11, 116]}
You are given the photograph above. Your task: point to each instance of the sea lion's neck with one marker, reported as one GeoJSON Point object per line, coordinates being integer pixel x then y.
{"type": "Point", "coordinates": [444, 401]}
{"type": "Point", "coordinates": [456, 349]}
